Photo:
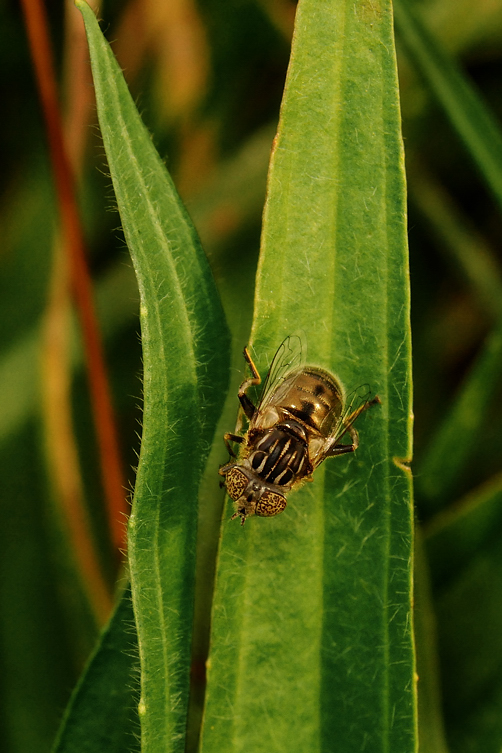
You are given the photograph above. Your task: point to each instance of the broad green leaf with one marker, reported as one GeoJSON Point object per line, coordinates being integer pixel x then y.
{"type": "Point", "coordinates": [185, 353]}
{"type": "Point", "coordinates": [311, 641]}
{"type": "Point", "coordinates": [102, 714]}
{"type": "Point", "coordinates": [468, 114]}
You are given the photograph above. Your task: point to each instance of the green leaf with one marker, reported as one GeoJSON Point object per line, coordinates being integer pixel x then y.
{"type": "Point", "coordinates": [102, 713]}
{"type": "Point", "coordinates": [465, 109]}
{"type": "Point", "coordinates": [185, 353]}
{"type": "Point", "coordinates": [311, 642]}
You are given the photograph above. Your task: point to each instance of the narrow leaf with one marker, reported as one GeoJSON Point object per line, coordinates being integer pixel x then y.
{"type": "Point", "coordinates": [185, 354]}
{"type": "Point", "coordinates": [311, 643]}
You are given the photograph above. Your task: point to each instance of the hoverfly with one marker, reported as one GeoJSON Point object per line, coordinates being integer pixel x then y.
{"type": "Point", "coordinates": [301, 417]}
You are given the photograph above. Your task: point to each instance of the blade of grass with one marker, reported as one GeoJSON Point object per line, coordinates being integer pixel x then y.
{"type": "Point", "coordinates": [468, 114]}
{"type": "Point", "coordinates": [185, 350]}
{"type": "Point", "coordinates": [311, 641]}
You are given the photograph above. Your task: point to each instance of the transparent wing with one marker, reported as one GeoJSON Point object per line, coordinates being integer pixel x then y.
{"type": "Point", "coordinates": [290, 356]}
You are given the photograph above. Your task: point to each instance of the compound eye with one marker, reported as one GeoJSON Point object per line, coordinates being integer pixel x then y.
{"type": "Point", "coordinates": [270, 504]}
{"type": "Point", "coordinates": [236, 482]}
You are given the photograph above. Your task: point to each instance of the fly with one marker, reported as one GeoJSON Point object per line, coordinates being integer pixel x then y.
{"type": "Point", "coordinates": [301, 417]}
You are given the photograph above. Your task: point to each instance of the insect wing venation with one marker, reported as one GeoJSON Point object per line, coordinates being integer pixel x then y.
{"type": "Point", "coordinates": [289, 357]}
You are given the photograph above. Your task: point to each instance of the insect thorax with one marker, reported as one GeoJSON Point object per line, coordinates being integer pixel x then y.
{"type": "Point", "coordinates": [279, 456]}
{"type": "Point", "coordinates": [311, 395]}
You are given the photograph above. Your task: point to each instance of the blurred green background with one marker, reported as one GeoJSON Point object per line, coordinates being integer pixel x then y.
{"type": "Point", "coordinates": [208, 77]}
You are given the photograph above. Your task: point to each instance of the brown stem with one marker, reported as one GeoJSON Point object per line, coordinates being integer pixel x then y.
{"type": "Point", "coordinates": [36, 25]}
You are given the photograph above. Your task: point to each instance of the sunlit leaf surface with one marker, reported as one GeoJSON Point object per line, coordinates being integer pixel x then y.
{"type": "Point", "coordinates": [311, 644]}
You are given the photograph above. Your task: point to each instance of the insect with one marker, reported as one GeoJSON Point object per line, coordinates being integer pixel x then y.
{"type": "Point", "coordinates": [301, 417]}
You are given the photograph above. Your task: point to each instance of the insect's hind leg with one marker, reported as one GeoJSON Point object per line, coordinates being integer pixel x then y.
{"type": "Point", "coordinates": [350, 419]}
{"type": "Point", "coordinates": [247, 406]}
{"type": "Point", "coordinates": [343, 449]}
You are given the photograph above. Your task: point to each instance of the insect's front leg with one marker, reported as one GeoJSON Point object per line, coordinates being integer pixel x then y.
{"type": "Point", "coordinates": [229, 437]}
{"type": "Point", "coordinates": [247, 406]}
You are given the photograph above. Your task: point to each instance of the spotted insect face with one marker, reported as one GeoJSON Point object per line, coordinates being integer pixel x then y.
{"type": "Point", "coordinates": [251, 495]}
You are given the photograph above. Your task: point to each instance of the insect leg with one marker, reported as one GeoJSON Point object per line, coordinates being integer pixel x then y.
{"type": "Point", "coordinates": [349, 420]}
{"type": "Point", "coordinates": [342, 449]}
{"type": "Point", "coordinates": [247, 406]}
{"type": "Point", "coordinates": [229, 437]}
{"type": "Point", "coordinates": [241, 513]}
